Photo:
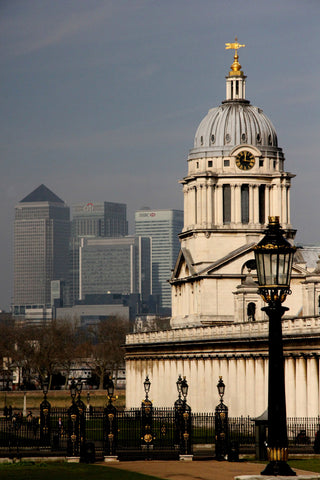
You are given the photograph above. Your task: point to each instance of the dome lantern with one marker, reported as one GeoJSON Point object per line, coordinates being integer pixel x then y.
{"type": "Point", "coordinates": [235, 85]}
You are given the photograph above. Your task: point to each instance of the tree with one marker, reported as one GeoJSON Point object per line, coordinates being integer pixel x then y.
{"type": "Point", "coordinates": [106, 351]}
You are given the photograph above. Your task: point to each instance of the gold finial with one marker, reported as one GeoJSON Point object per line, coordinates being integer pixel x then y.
{"type": "Point", "coordinates": [274, 220]}
{"type": "Point", "coordinates": [235, 67]}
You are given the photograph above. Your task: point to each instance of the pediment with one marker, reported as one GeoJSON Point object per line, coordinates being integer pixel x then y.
{"type": "Point", "coordinates": [232, 257]}
{"type": "Point", "coordinates": [184, 265]}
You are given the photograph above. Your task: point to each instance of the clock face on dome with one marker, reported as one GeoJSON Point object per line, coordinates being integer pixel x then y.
{"type": "Point", "coordinates": [245, 160]}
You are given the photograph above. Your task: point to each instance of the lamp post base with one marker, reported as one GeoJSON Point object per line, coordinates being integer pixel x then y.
{"type": "Point", "coordinates": [278, 468]}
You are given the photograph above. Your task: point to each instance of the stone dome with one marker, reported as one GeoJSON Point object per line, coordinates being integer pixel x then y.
{"type": "Point", "coordinates": [234, 123]}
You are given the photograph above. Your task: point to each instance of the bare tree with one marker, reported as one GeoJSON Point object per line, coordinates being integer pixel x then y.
{"type": "Point", "coordinates": [106, 351]}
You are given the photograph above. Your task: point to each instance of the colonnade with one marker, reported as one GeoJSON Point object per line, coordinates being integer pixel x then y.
{"type": "Point", "coordinates": [203, 203]}
{"type": "Point", "coordinates": [245, 377]}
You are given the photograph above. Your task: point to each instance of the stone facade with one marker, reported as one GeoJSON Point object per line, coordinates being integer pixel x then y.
{"type": "Point", "coordinates": [235, 180]}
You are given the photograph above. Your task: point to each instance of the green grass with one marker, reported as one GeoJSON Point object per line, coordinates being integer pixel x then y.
{"type": "Point", "coordinates": [57, 398]}
{"type": "Point", "coordinates": [309, 464]}
{"type": "Point", "coordinates": [62, 471]}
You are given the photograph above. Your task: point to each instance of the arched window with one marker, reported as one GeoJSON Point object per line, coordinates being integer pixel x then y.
{"type": "Point", "coordinates": [226, 204]}
{"type": "Point", "coordinates": [251, 311]}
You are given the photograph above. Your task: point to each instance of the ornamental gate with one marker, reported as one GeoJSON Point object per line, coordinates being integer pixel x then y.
{"type": "Point", "coordinates": [147, 433]}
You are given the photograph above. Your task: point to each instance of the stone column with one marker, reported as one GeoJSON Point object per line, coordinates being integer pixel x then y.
{"type": "Point", "coordinates": [204, 206]}
{"type": "Point", "coordinates": [260, 394]}
{"type": "Point", "coordinates": [312, 387]}
{"type": "Point", "coordinates": [250, 386]}
{"type": "Point", "coordinates": [199, 204]}
{"type": "Point", "coordinates": [186, 206]}
{"type": "Point", "coordinates": [290, 384]}
{"type": "Point", "coordinates": [267, 202]}
{"type": "Point", "coordinates": [283, 219]}
{"type": "Point", "coordinates": [209, 205]}
{"type": "Point", "coordinates": [251, 204]}
{"type": "Point", "coordinates": [255, 204]}
{"type": "Point", "coordinates": [288, 205]}
{"type": "Point", "coordinates": [232, 385]}
{"type": "Point", "coordinates": [218, 205]}
{"type": "Point", "coordinates": [272, 202]}
{"type": "Point", "coordinates": [301, 384]}
{"type": "Point", "coordinates": [233, 203]}
{"type": "Point", "coordinates": [241, 379]}
{"type": "Point", "coordinates": [237, 203]}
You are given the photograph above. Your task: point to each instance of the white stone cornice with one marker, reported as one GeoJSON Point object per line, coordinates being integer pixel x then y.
{"type": "Point", "coordinates": [297, 327]}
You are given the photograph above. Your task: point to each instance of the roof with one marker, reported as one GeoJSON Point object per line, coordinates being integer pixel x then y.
{"type": "Point", "coordinates": [42, 194]}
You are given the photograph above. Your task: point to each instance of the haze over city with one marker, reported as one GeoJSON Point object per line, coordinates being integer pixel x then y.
{"type": "Point", "coordinates": [101, 99]}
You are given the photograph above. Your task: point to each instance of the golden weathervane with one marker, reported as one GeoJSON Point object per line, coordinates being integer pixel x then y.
{"type": "Point", "coordinates": [235, 67]}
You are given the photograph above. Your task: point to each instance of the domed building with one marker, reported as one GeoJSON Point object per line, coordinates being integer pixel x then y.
{"type": "Point", "coordinates": [235, 180]}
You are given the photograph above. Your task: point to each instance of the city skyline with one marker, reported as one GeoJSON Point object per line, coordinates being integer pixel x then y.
{"type": "Point", "coordinates": [101, 100]}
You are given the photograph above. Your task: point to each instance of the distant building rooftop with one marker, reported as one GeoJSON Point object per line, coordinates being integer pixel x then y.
{"type": "Point", "coordinates": [42, 194]}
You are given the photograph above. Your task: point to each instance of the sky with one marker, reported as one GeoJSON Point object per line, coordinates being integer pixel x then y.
{"type": "Point", "coordinates": [101, 99]}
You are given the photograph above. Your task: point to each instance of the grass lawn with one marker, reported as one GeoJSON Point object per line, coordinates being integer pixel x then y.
{"type": "Point", "coordinates": [57, 398]}
{"type": "Point", "coordinates": [62, 471]}
{"type": "Point", "coordinates": [309, 464]}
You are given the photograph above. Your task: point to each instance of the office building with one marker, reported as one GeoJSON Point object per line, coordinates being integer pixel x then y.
{"type": "Point", "coordinates": [99, 219]}
{"type": "Point", "coordinates": [115, 265]}
{"type": "Point", "coordinates": [93, 219]}
{"type": "Point", "coordinates": [163, 226]}
{"type": "Point", "coordinates": [41, 242]}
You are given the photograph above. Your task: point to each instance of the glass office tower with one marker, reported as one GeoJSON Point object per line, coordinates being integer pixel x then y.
{"type": "Point", "coordinates": [163, 226]}
{"type": "Point", "coordinates": [41, 242]}
{"type": "Point", "coordinates": [93, 219]}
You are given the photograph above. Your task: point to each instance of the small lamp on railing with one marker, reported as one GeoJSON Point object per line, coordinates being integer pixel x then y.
{"type": "Point", "coordinates": [79, 386]}
{"type": "Point", "coordinates": [178, 383]}
{"type": "Point", "coordinates": [73, 389]}
{"type": "Point", "coordinates": [221, 388]}
{"type": "Point", "coordinates": [45, 387]}
{"type": "Point", "coordinates": [184, 388]}
{"type": "Point", "coordinates": [110, 389]}
{"type": "Point", "coordinates": [274, 258]}
{"type": "Point", "coordinates": [147, 385]}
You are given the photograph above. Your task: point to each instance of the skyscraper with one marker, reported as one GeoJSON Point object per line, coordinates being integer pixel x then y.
{"type": "Point", "coordinates": [163, 226]}
{"type": "Point", "coordinates": [93, 219]}
{"type": "Point", "coordinates": [115, 265]}
{"type": "Point", "coordinates": [100, 219]}
{"type": "Point", "coordinates": [41, 240]}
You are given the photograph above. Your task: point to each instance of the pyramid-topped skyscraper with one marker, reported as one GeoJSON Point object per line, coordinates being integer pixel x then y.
{"type": "Point", "coordinates": [41, 238]}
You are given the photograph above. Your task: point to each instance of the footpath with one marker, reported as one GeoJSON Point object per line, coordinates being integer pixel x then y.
{"type": "Point", "coordinates": [196, 470]}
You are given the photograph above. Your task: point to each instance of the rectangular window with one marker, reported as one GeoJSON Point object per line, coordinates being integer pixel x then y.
{"type": "Point", "coordinates": [262, 212]}
{"type": "Point", "coordinates": [226, 204]}
{"type": "Point", "coordinates": [245, 203]}
{"type": "Point", "coordinates": [209, 163]}
{"type": "Point", "coordinates": [226, 163]}
{"type": "Point", "coordinates": [261, 162]}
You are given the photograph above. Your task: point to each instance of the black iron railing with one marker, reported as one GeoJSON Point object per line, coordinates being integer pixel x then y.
{"type": "Point", "coordinates": [22, 435]}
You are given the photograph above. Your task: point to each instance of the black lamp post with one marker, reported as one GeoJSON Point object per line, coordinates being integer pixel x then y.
{"type": "Point", "coordinates": [45, 409]}
{"type": "Point", "coordinates": [110, 422]}
{"type": "Point", "coordinates": [221, 424]}
{"type": "Point", "coordinates": [73, 390]}
{"type": "Point", "coordinates": [274, 256]}
{"type": "Point", "coordinates": [183, 417]}
{"type": "Point", "coordinates": [147, 385]}
{"type": "Point", "coordinates": [45, 388]}
{"type": "Point", "coordinates": [178, 383]}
